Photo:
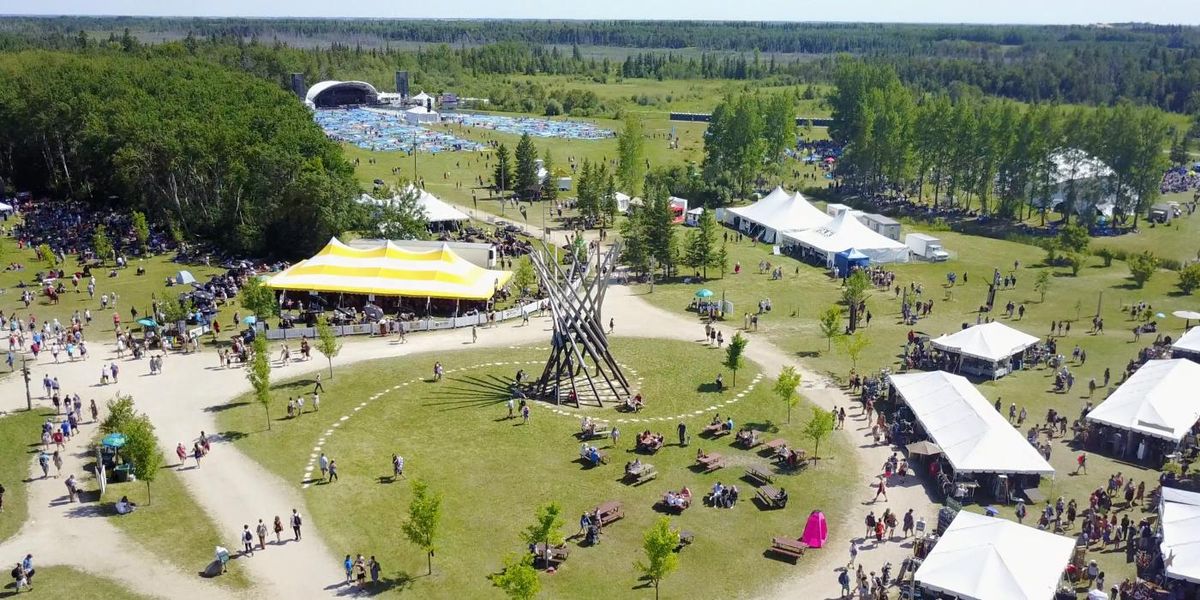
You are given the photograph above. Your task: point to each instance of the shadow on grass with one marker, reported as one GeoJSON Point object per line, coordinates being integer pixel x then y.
{"type": "Point", "coordinates": [401, 582]}
{"type": "Point", "coordinates": [216, 408]}
{"type": "Point", "coordinates": [230, 436]}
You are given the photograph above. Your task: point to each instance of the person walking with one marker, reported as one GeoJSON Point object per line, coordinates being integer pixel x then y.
{"type": "Point", "coordinates": [323, 463]}
{"type": "Point", "coordinates": [474, 334]}
{"type": "Point", "coordinates": [333, 474]}
{"type": "Point", "coordinates": [908, 523]}
{"type": "Point", "coordinates": [397, 466]}
{"type": "Point", "coordinates": [247, 541]}
{"type": "Point", "coordinates": [278, 527]}
{"type": "Point", "coordinates": [682, 427]}
{"type": "Point", "coordinates": [44, 463]}
{"type": "Point", "coordinates": [348, 566]}
{"type": "Point", "coordinates": [881, 489]}
{"type": "Point", "coordinates": [318, 387]}
{"type": "Point", "coordinates": [261, 530]}
{"type": "Point", "coordinates": [1081, 463]}
{"type": "Point", "coordinates": [58, 463]}
{"type": "Point", "coordinates": [296, 522]}
{"type": "Point", "coordinates": [525, 414]}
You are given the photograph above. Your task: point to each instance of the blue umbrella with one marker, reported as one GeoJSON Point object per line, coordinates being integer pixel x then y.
{"type": "Point", "coordinates": [114, 440]}
{"type": "Point", "coordinates": [704, 293]}
{"type": "Point", "coordinates": [250, 320]}
{"type": "Point", "coordinates": [147, 322]}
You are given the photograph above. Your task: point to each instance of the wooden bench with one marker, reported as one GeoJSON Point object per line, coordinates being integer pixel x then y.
{"type": "Point", "coordinates": [749, 441]}
{"type": "Point", "coordinates": [775, 444]}
{"type": "Point", "coordinates": [646, 473]}
{"type": "Point", "coordinates": [712, 429]}
{"type": "Point", "coordinates": [598, 432]}
{"type": "Point", "coordinates": [791, 548]}
{"type": "Point", "coordinates": [770, 496]}
{"type": "Point", "coordinates": [555, 555]}
{"type": "Point", "coordinates": [673, 508]}
{"type": "Point", "coordinates": [608, 512]}
{"type": "Point", "coordinates": [711, 462]}
{"type": "Point", "coordinates": [759, 475]}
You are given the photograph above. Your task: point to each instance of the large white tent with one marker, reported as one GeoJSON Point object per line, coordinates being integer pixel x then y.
{"type": "Point", "coordinates": [1159, 400]}
{"type": "Point", "coordinates": [436, 210]}
{"type": "Point", "coordinates": [1188, 345]}
{"type": "Point", "coordinates": [991, 345]}
{"type": "Point", "coordinates": [421, 114]}
{"type": "Point", "coordinates": [776, 212]}
{"type": "Point", "coordinates": [1180, 515]}
{"type": "Point", "coordinates": [985, 558]}
{"type": "Point", "coordinates": [844, 232]}
{"type": "Point", "coordinates": [973, 437]}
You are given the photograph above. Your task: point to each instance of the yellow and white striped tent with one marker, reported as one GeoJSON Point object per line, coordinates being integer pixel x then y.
{"type": "Point", "coordinates": [388, 270]}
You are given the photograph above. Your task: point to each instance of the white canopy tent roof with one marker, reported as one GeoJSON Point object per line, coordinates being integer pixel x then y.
{"type": "Point", "coordinates": [1180, 514]}
{"type": "Point", "coordinates": [435, 209]}
{"type": "Point", "coordinates": [1189, 342]}
{"type": "Point", "coordinates": [993, 341]}
{"type": "Point", "coordinates": [421, 114]}
{"type": "Point", "coordinates": [972, 435]}
{"type": "Point", "coordinates": [1159, 400]}
{"type": "Point", "coordinates": [5, 207]}
{"type": "Point", "coordinates": [844, 232]}
{"type": "Point", "coordinates": [780, 211]}
{"type": "Point", "coordinates": [986, 558]}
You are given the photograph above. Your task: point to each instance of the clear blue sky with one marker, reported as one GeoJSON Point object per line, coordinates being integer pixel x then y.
{"type": "Point", "coordinates": [924, 11]}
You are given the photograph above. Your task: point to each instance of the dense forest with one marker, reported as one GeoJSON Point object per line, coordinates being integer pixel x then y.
{"type": "Point", "coordinates": [216, 154]}
{"type": "Point", "coordinates": [1146, 64]}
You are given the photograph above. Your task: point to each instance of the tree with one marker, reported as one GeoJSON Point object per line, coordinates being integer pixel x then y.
{"type": "Point", "coordinates": [1074, 261]}
{"type": "Point", "coordinates": [120, 413]}
{"type": "Point", "coordinates": [1142, 267]}
{"type": "Point", "coordinates": [818, 427]}
{"type": "Point", "coordinates": [174, 310]}
{"type": "Point", "coordinates": [550, 185]}
{"type": "Point", "coordinates": [101, 244]}
{"type": "Point", "coordinates": [631, 166]}
{"type": "Point", "coordinates": [733, 353]}
{"type": "Point", "coordinates": [1107, 255]}
{"type": "Point", "coordinates": [502, 175]}
{"type": "Point", "coordinates": [830, 322]}
{"type": "Point", "coordinates": [1074, 238]}
{"type": "Point", "coordinates": [1042, 284]}
{"type": "Point", "coordinates": [853, 345]}
{"type": "Point", "coordinates": [1189, 278]}
{"type": "Point", "coordinates": [327, 342]}
{"type": "Point", "coordinates": [424, 517]}
{"type": "Point", "coordinates": [399, 215]}
{"type": "Point", "coordinates": [527, 182]}
{"type": "Point", "coordinates": [524, 278]}
{"type": "Point", "coordinates": [47, 255]}
{"type": "Point", "coordinates": [141, 449]}
{"type": "Point", "coordinates": [141, 229]}
{"type": "Point", "coordinates": [702, 251]}
{"type": "Point", "coordinates": [259, 375]}
{"type": "Point", "coordinates": [854, 292]}
{"type": "Point", "coordinates": [785, 388]}
{"type": "Point", "coordinates": [659, 544]}
{"type": "Point", "coordinates": [519, 579]}
{"type": "Point", "coordinates": [259, 299]}
{"type": "Point", "coordinates": [547, 526]}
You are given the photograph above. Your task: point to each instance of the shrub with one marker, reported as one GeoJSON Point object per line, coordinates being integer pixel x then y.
{"type": "Point", "coordinates": [1189, 278]}
{"type": "Point", "coordinates": [1107, 255]}
{"type": "Point", "coordinates": [553, 108]}
{"type": "Point", "coordinates": [1142, 267]}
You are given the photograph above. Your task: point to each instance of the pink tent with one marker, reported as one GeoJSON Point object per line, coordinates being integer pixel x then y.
{"type": "Point", "coordinates": [815, 531]}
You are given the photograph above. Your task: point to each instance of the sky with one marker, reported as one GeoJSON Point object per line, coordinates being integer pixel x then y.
{"type": "Point", "coordinates": [919, 11]}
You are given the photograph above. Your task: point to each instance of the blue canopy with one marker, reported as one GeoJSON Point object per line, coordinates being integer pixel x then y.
{"type": "Point", "coordinates": [114, 440]}
{"type": "Point", "coordinates": [184, 277]}
{"type": "Point", "coordinates": [848, 259]}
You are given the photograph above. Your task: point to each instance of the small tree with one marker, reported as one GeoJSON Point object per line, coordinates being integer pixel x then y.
{"type": "Point", "coordinates": [831, 323]}
{"type": "Point", "coordinates": [101, 244]}
{"type": "Point", "coordinates": [424, 516]}
{"type": "Point", "coordinates": [519, 579]}
{"type": "Point", "coordinates": [853, 345]}
{"type": "Point", "coordinates": [524, 278]}
{"type": "Point", "coordinates": [547, 527]}
{"type": "Point", "coordinates": [1107, 255]}
{"type": "Point", "coordinates": [855, 289]}
{"type": "Point", "coordinates": [1042, 284]}
{"type": "Point", "coordinates": [659, 544]}
{"type": "Point", "coordinates": [120, 412]}
{"type": "Point", "coordinates": [733, 354]}
{"type": "Point", "coordinates": [1073, 238]}
{"type": "Point", "coordinates": [1189, 278]}
{"type": "Point", "coordinates": [1074, 262]}
{"type": "Point", "coordinates": [1142, 267]}
{"type": "Point", "coordinates": [259, 375]}
{"type": "Point", "coordinates": [47, 255]}
{"type": "Point", "coordinates": [550, 185]}
{"type": "Point", "coordinates": [173, 309]}
{"type": "Point", "coordinates": [141, 448]}
{"type": "Point", "coordinates": [259, 299]}
{"type": "Point", "coordinates": [818, 428]}
{"type": "Point", "coordinates": [327, 342]}
{"type": "Point", "coordinates": [785, 388]}
{"type": "Point", "coordinates": [141, 229]}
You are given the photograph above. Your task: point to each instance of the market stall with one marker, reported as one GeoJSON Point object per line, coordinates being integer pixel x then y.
{"type": "Point", "coordinates": [987, 350]}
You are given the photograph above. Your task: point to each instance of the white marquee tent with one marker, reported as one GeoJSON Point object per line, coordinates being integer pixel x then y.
{"type": "Point", "coordinates": [421, 114]}
{"type": "Point", "coordinates": [436, 210]}
{"type": "Point", "coordinates": [990, 344]}
{"type": "Point", "coordinates": [1180, 515]}
{"type": "Point", "coordinates": [777, 212]}
{"type": "Point", "coordinates": [1159, 400]}
{"type": "Point", "coordinates": [973, 437]}
{"type": "Point", "coordinates": [1188, 345]}
{"type": "Point", "coordinates": [986, 558]}
{"type": "Point", "coordinates": [844, 232]}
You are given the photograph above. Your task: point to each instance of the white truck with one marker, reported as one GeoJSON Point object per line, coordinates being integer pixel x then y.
{"type": "Point", "coordinates": [926, 247]}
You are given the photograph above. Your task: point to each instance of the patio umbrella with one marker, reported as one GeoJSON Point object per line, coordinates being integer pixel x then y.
{"type": "Point", "coordinates": [250, 320]}
{"type": "Point", "coordinates": [147, 322]}
{"type": "Point", "coordinates": [704, 293]}
{"type": "Point", "coordinates": [114, 440]}
{"type": "Point", "coordinates": [1189, 315]}
{"type": "Point", "coordinates": [927, 448]}
{"type": "Point", "coordinates": [373, 311]}
{"type": "Point", "coordinates": [1160, 315]}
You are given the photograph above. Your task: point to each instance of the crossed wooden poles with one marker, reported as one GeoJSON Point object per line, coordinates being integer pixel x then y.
{"type": "Point", "coordinates": [575, 297]}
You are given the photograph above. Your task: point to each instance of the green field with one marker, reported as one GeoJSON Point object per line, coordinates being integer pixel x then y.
{"type": "Point", "coordinates": [20, 440]}
{"type": "Point", "coordinates": [68, 582]}
{"type": "Point", "coordinates": [493, 472]}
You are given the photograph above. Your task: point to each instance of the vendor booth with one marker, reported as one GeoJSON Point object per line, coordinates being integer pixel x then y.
{"type": "Point", "coordinates": [986, 558]}
{"type": "Point", "coordinates": [1152, 411]}
{"type": "Point", "coordinates": [1188, 346]}
{"type": "Point", "coordinates": [845, 232]}
{"type": "Point", "coordinates": [439, 214]}
{"type": "Point", "coordinates": [776, 212]}
{"type": "Point", "coordinates": [1179, 512]}
{"type": "Point", "coordinates": [988, 350]}
{"type": "Point", "coordinates": [976, 447]}
{"type": "Point", "coordinates": [848, 260]}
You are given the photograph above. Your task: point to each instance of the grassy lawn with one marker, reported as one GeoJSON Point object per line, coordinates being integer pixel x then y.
{"type": "Point", "coordinates": [67, 582]}
{"type": "Point", "coordinates": [807, 291]}
{"type": "Point", "coordinates": [493, 472]}
{"type": "Point", "coordinates": [172, 525]}
{"type": "Point", "coordinates": [20, 433]}
{"type": "Point", "coordinates": [1179, 240]}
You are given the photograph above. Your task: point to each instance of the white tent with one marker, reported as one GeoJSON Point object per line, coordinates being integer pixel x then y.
{"type": "Point", "coordinates": [423, 98]}
{"type": "Point", "coordinates": [985, 558]}
{"type": "Point", "coordinates": [974, 437]}
{"type": "Point", "coordinates": [420, 114]}
{"type": "Point", "coordinates": [990, 344]}
{"type": "Point", "coordinates": [777, 211]}
{"type": "Point", "coordinates": [844, 232]}
{"type": "Point", "coordinates": [435, 209]}
{"type": "Point", "coordinates": [1179, 512]}
{"type": "Point", "coordinates": [692, 217]}
{"type": "Point", "coordinates": [5, 207]}
{"type": "Point", "coordinates": [1159, 400]}
{"type": "Point", "coordinates": [1188, 345]}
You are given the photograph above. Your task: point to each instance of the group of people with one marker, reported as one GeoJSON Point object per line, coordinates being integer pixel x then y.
{"type": "Point", "coordinates": [200, 448]}
{"type": "Point", "coordinates": [723, 496]}
{"type": "Point", "coordinates": [358, 568]}
{"type": "Point", "coordinates": [295, 406]}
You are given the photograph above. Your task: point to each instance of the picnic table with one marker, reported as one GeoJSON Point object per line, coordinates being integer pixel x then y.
{"type": "Point", "coordinates": [770, 496]}
{"type": "Point", "coordinates": [642, 474]}
{"type": "Point", "coordinates": [775, 444]}
{"type": "Point", "coordinates": [552, 554]}
{"type": "Point", "coordinates": [711, 462]}
{"type": "Point", "coordinates": [747, 439]}
{"type": "Point", "coordinates": [792, 548]}
{"type": "Point", "coordinates": [599, 431]}
{"type": "Point", "coordinates": [759, 475]}
{"type": "Point", "coordinates": [608, 512]}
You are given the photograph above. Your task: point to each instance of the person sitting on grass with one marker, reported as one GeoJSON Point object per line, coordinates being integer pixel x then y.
{"type": "Point", "coordinates": [124, 506]}
{"type": "Point", "coordinates": [720, 382]}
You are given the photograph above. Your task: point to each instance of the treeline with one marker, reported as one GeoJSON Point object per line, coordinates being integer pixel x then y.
{"type": "Point", "coordinates": [994, 154]}
{"type": "Point", "coordinates": [215, 154]}
{"type": "Point", "coordinates": [1146, 64]}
